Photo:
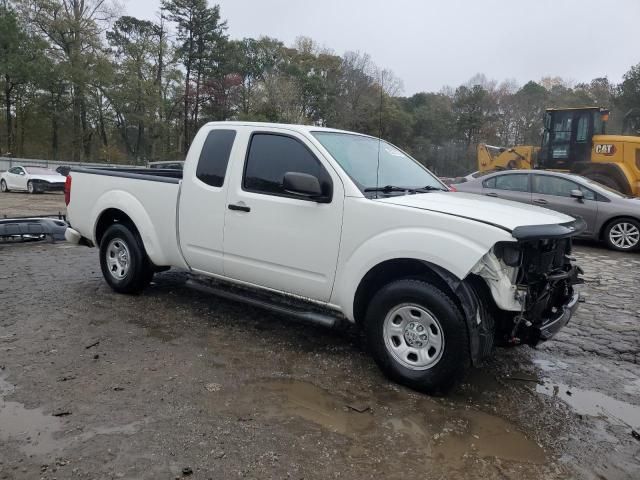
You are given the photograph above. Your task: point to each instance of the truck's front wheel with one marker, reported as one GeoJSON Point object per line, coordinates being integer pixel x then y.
{"type": "Point", "coordinates": [123, 260]}
{"type": "Point", "coordinates": [417, 335]}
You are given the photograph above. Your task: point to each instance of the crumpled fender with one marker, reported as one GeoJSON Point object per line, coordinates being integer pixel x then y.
{"type": "Point", "coordinates": [436, 247]}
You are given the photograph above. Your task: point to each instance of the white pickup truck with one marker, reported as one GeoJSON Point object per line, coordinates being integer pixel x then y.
{"type": "Point", "coordinates": [328, 225]}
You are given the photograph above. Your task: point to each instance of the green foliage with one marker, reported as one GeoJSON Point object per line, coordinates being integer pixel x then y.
{"type": "Point", "coordinates": [79, 82]}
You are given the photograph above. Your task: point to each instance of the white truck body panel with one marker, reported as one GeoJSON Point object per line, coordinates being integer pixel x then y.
{"type": "Point", "coordinates": [316, 250]}
{"type": "Point", "coordinates": [151, 206]}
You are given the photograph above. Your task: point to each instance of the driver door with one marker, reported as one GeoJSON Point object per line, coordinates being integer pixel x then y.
{"type": "Point", "coordinates": [554, 192]}
{"type": "Point", "coordinates": [17, 178]}
{"type": "Point", "coordinates": [274, 238]}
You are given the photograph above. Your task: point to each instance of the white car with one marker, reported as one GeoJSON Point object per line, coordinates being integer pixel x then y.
{"type": "Point", "coordinates": [329, 225]}
{"type": "Point", "coordinates": [31, 179]}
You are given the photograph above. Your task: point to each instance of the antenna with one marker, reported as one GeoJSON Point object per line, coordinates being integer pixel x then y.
{"type": "Point", "coordinates": [379, 132]}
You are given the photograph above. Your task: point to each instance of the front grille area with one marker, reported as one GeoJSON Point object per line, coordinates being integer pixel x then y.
{"type": "Point", "coordinates": [545, 256]}
{"type": "Point", "coordinates": [546, 278]}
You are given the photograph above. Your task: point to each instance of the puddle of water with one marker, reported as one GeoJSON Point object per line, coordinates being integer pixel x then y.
{"type": "Point", "coordinates": [489, 436]}
{"type": "Point", "coordinates": [318, 406]}
{"type": "Point", "coordinates": [475, 433]}
{"type": "Point", "coordinates": [33, 428]}
{"type": "Point", "coordinates": [37, 432]}
{"type": "Point", "coordinates": [128, 429]}
{"type": "Point", "coordinates": [592, 403]}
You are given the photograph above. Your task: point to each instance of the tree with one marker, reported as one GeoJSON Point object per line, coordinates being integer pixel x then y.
{"type": "Point", "coordinates": [21, 56]}
{"type": "Point", "coordinates": [530, 103]}
{"type": "Point", "coordinates": [473, 109]}
{"type": "Point", "coordinates": [135, 46]}
{"type": "Point", "coordinates": [252, 59]}
{"type": "Point", "coordinates": [73, 28]}
{"type": "Point", "coordinates": [629, 90]}
{"type": "Point", "coordinates": [201, 34]}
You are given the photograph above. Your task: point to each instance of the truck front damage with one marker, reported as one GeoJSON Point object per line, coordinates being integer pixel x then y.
{"type": "Point", "coordinates": [532, 281]}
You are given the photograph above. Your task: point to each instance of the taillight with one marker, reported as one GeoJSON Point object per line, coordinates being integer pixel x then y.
{"type": "Point", "coordinates": [67, 190]}
{"type": "Point", "coordinates": [451, 188]}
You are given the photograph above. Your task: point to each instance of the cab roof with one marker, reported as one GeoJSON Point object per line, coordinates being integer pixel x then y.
{"type": "Point", "coordinates": [284, 126]}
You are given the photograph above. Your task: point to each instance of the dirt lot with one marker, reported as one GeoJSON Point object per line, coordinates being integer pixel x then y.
{"type": "Point", "coordinates": [22, 204]}
{"type": "Point", "coordinates": [99, 385]}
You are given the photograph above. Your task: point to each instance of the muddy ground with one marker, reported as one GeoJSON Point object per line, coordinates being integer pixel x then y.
{"type": "Point", "coordinates": [22, 204]}
{"type": "Point", "coordinates": [99, 385]}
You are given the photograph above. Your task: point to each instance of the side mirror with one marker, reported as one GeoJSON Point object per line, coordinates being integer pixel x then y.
{"type": "Point", "coordinates": [22, 173]}
{"type": "Point", "coordinates": [302, 184]}
{"type": "Point", "coordinates": [578, 195]}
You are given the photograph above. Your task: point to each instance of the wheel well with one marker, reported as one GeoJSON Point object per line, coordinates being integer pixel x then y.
{"type": "Point", "coordinates": [108, 218]}
{"type": "Point", "coordinates": [606, 224]}
{"type": "Point", "coordinates": [389, 271]}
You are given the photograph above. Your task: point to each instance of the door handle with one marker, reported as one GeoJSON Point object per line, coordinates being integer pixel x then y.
{"type": "Point", "coordinates": [540, 201]}
{"type": "Point", "coordinates": [239, 207]}
{"type": "Point", "coordinates": [491, 194]}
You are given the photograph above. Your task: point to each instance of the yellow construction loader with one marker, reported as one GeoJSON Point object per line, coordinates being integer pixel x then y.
{"type": "Point", "coordinates": [574, 140]}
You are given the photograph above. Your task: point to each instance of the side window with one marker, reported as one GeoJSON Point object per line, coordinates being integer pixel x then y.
{"type": "Point", "coordinates": [583, 128]}
{"type": "Point", "coordinates": [514, 183]}
{"type": "Point", "coordinates": [271, 156]}
{"type": "Point", "coordinates": [489, 183]}
{"type": "Point", "coordinates": [15, 170]}
{"type": "Point", "coordinates": [560, 187]}
{"type": "Point", "coordinates": [214, 157]}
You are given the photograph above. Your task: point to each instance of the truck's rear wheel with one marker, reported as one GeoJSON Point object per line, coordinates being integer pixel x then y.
{"type": "Point", "coordinates": [417, 335]}
{"type": "Point", "coordinates": [123, 260]}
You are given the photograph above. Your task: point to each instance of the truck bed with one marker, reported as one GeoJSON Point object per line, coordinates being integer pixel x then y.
{"type": "Point", "coordinates": [154, 175]}
{"type": "Point", "coordinates": [149, 196]}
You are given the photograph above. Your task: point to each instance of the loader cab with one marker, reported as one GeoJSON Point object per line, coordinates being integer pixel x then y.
{"type": "Point", "coordinates": [567, 136]}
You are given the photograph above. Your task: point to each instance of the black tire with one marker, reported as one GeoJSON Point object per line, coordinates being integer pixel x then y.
{"type": "Point", "coordinates": [31, 188]}
{"type": "Point", "coordinates": [3, 186]}
{"type": "Point", "coordinates": [617, 226]}
{"type": "Point", "coordinates": [454, 358]}
{"type": "Point", "coordinates": [139, 269]}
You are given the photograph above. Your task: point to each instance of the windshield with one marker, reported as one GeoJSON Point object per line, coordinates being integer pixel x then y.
{"type": "Point", "coordinates": [358, 156]}
{"type": "Point", "coordinates": [39, 171]}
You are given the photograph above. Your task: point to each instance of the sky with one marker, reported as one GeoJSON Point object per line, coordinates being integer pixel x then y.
{"type": "Point", "coordinates": [430, 44]}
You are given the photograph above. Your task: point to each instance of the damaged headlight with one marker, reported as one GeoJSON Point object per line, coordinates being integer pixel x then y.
{"type": "Point", "coordinates": [509, 252]}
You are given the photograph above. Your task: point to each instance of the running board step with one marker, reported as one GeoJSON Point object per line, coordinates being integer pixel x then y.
{"type": "Point", "coordinates": [273, 302]}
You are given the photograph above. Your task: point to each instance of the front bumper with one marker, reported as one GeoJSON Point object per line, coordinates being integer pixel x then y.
{"type": "Point", "coordinates": [44, 186]}
{"type": "Point", "coordinates": [551, 326]}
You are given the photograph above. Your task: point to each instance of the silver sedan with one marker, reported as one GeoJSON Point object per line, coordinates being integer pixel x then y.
{"type": "Point", "coordinates": [610, 216]}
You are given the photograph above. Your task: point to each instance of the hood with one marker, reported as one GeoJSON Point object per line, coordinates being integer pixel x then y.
{"type": "Point", "coordinates": [495, 211]}
{"type": "Point", "coordinates": [49, 178]}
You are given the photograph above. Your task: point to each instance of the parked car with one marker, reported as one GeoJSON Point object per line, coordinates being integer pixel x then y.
{"type": "Point", "coordinates": [327, 226]}
{"type": "Point", "coordinates": [31, 179]}
{"type": "Point", "coordinates": [610, 216]}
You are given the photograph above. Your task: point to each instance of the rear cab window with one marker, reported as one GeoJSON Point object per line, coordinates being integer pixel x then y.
{"type": "Point", "coordinates": [271, 155]}
{"type": "Point", "coordinates": [214, 157]}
